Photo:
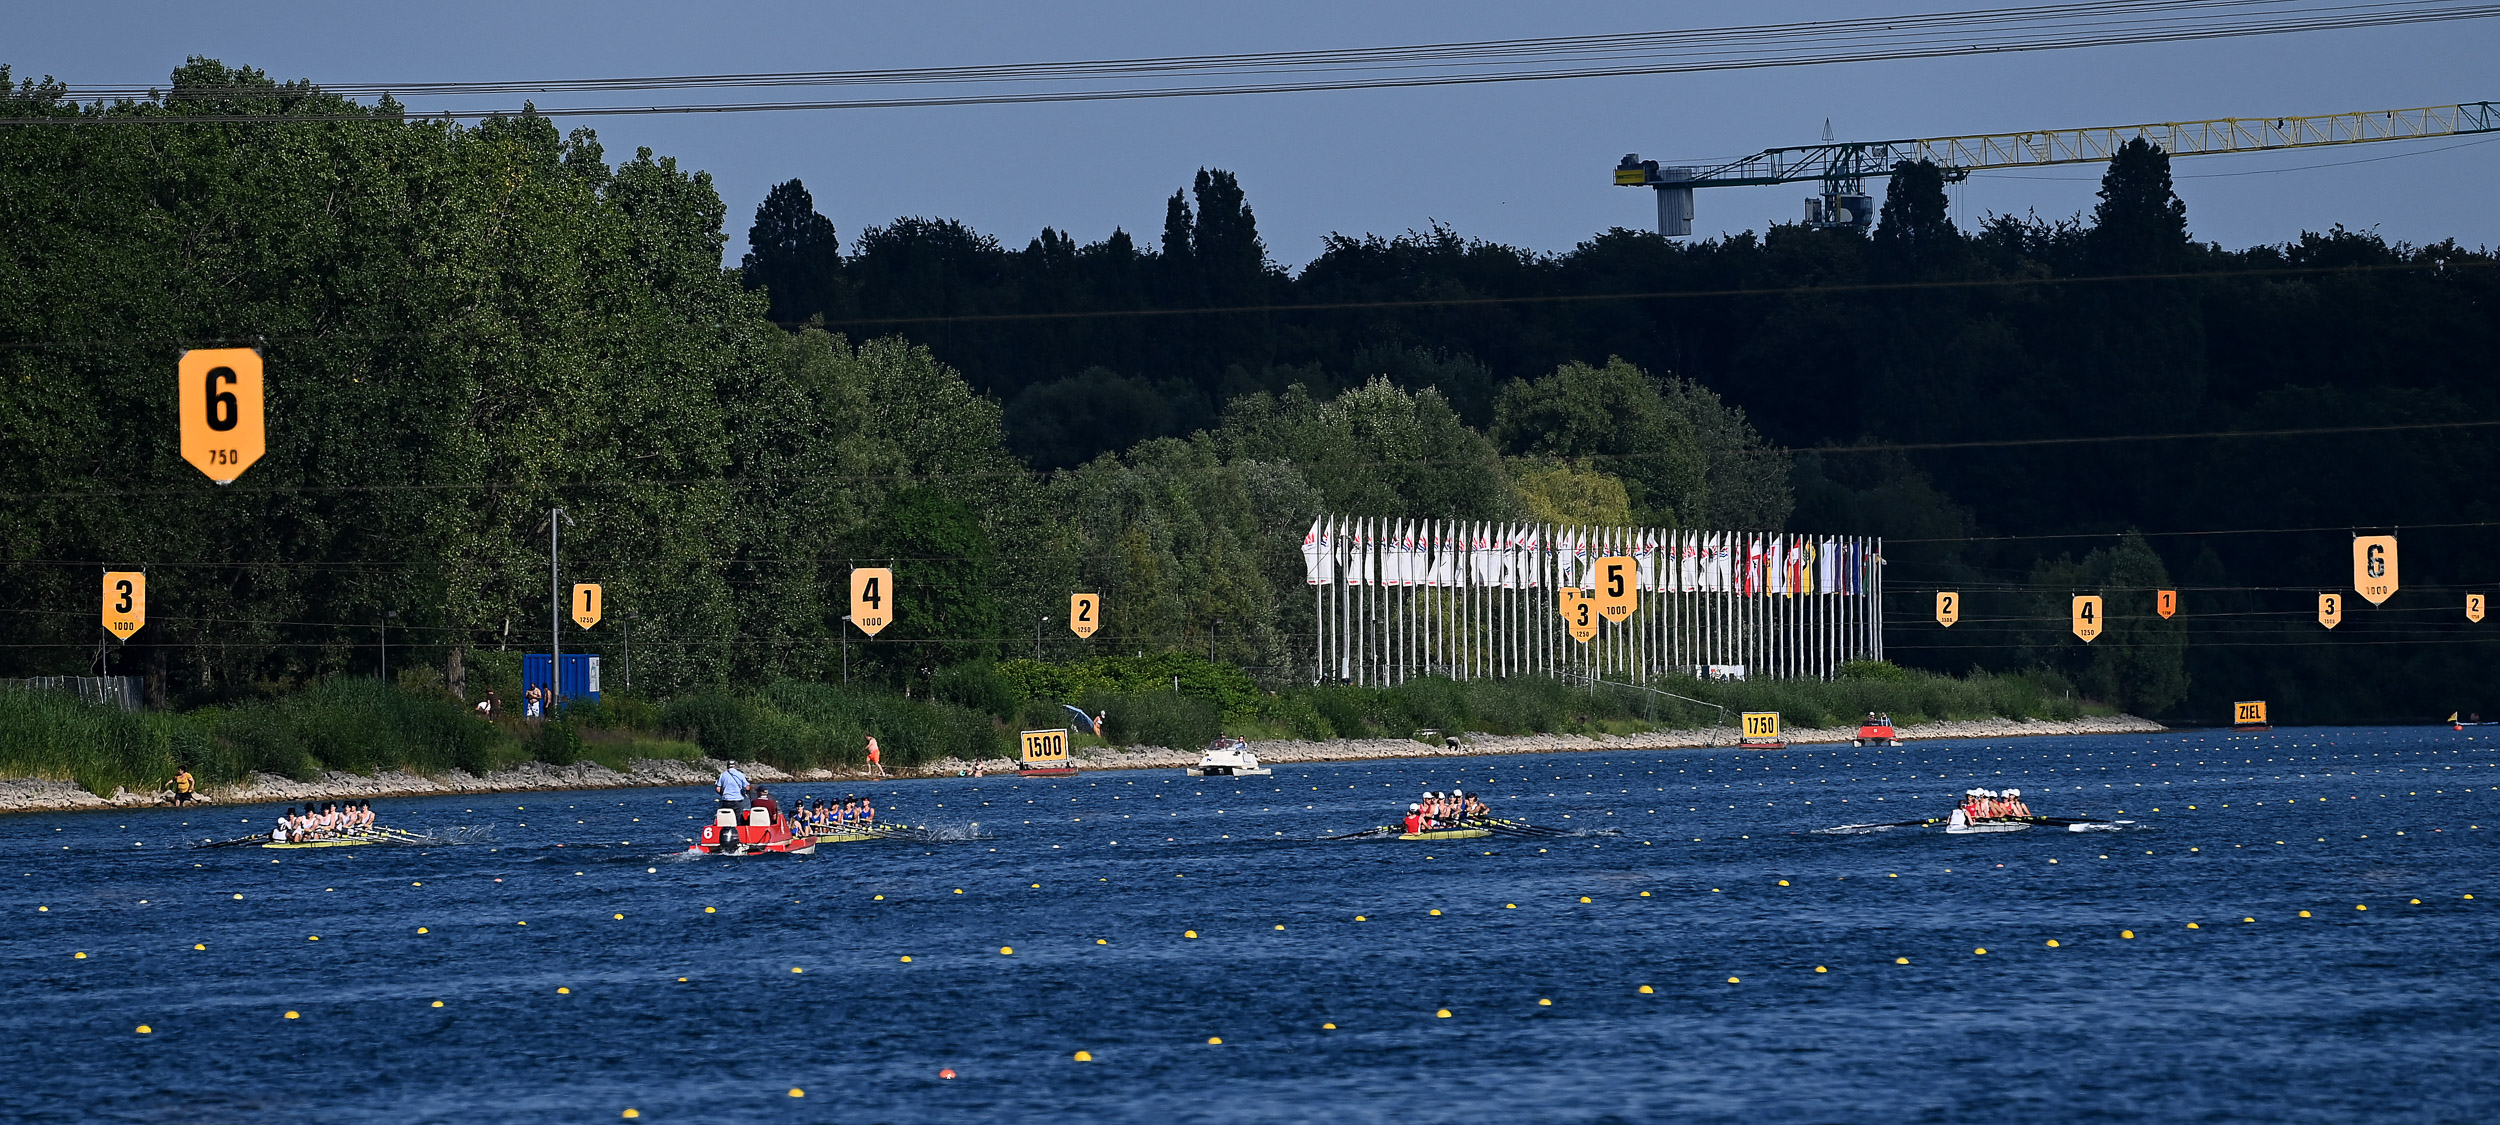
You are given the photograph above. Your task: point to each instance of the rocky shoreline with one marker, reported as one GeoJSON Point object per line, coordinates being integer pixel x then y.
{"type": "Point", "coordinates": [49, 795]}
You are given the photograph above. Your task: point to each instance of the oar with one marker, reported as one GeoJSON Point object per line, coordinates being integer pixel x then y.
{"type": "Point", "coordinates": [1365, 832]}
{"type": "Point", "coordinates": [1894, 824]}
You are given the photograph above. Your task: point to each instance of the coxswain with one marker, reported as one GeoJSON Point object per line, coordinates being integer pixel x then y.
{"type": "Point", "coordinates": [1414, 819]}
{"type": "Point", "coordinates": [279, 832]}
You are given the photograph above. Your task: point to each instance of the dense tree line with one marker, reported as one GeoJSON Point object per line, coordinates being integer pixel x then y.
{"type": "Point", "coordinates": [467, 326]}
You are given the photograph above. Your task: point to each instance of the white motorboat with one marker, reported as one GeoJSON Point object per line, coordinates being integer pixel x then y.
{"type": "Point", "coordinates": [1229, 757]}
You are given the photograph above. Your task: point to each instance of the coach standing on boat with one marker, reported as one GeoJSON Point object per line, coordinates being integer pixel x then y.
{"type": "Point", "coordinates": [732, 788]}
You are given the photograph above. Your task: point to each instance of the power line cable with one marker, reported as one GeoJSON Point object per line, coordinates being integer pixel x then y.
{"type": "Point", "coordinates": [1820, 43]}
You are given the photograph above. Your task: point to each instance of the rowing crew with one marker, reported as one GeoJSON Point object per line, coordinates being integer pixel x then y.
{"type": "Point", "coordinates": [332, 819]}
{"type": "Point", "coordinates": [1990, 804]}
{"type": "Point", "coordinates": [851, 814]}
{"type": "Point", "coordinates": [1441, 810]}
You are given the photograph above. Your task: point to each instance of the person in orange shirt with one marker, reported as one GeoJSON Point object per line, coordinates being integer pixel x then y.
{"type": "Point", "coordinates": [876, 757]}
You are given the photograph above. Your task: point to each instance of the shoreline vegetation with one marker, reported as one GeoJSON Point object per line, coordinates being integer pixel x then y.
{"type": "Point", "coordinates": [362, 737]}
{"type": "Point", "coordinates": [42, 795]}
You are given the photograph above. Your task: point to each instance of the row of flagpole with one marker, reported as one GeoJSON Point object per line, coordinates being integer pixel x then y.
{"type": "Point", "coordinates": [1397, 598]}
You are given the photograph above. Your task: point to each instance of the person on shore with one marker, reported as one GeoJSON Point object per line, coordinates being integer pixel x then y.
{"type": "Point", "coordinates": [732, 790]}
{"type": "Point", "coordinates": [486, 710]}
{"type": "Point", "coordinates": [876, 757]}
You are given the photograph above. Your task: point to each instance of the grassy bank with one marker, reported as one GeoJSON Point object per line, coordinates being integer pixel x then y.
{"type": "Point", "coordinates": [365, 726]}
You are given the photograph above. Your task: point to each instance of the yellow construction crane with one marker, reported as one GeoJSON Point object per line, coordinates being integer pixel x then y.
{"type": "Point", "coordinates": [1843, 168]}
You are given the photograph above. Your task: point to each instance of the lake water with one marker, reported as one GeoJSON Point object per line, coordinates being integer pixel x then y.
{"type": "Point", "coordinates": [1768, 1001]}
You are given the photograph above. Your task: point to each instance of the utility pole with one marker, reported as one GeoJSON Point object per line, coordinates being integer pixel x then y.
{"type": "Point", "coordinates": [1038, 623]}
{"type": "Point", "coordinates": [626, 620]}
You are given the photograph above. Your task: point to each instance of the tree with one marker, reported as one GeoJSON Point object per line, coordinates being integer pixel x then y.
{"type": "Point", "coordinates": [1916, 226]}
{"type": "Point", "coordinates": [2140, 225]}
{"type": "Point", "coordinates": [793, 252]}
{"type": "Point", "coordinates": [1618, 416]}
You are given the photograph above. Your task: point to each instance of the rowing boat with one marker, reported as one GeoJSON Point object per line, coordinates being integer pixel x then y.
{"type": "Point", "coordinates": [853, 837]}
{"type": "Point", "coordinates": [1446, 834]}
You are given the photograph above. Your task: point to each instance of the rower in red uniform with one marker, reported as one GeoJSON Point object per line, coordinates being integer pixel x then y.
{"type": "Point", "coordinates": [1414, 819]}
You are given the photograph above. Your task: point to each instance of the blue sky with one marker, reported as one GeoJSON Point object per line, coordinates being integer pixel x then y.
{"type": "Point", "coordinates": [1524, 163]}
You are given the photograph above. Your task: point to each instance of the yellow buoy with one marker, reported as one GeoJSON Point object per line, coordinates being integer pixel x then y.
{"type": "Point", "coordinates": [1783, 882]}
{"type": "Point", "coordinates": [631, 1112]}
{"type": "Point", "coordinates": [199, 947]}
{"type": "Point", "coordinates": [1584, 898]}
{"type": "Point", "coordinates": [1900, 960]}
{"type": "Point", "coordinates": [438, 1003]}
{"type": "Point", "coordinates": [1644, 894]}
{"type": "Point", "coordinates": [2194, 926]}
{"type": "Point", "coordinates": [1360, 918]}
{"type": "Point", "coordinates": [2052, 943]}
{"type": "Point", "coordinates": [1436, 913]}
{"type": "Point", "coordinates": [1215, 1040]}
{"type": "Point", "coordinates": [619, 917]}
{"type": "Point", "coordinates": [1515, 906]}
{"type": "Point", "coordinates": [1082, 1056]}
{"type": "Point", "coordinates": [1544, 1003]}
{"type": "Point", "coordinates": [959, 890]}
{"type": "Point", "coordinates": [2127, 934]}
{"type": "Point", "coordinates": [711, 910]}
{"type": "Point", "coordinates": [2304, 913]}
{"type": "Point", "coordinates": [1732, 980]}
{"type": "Point", "coordinates": [797, 969]}
{"type": "Point", "coordinates": [1189, 933]}
{"type": "Point", "coordinates": [146, 1030]}
{"type": "Point", "coordinates": [880, 898]}
{"type": "Point", "coordinates": [1102, 941]}
{"type": "Point", "coordinates": [564, 992]}
{"type": "Point", "coordinates": [907, 960]}
{"type": "Point", "coordinates": [1982, 951]}
{"type": "Point", "coordinates": [1443, 1013]}
{"type": "Point", "coordinates": [2248, 919]}
{"type": "Point", "coordinates": [1646, 990]}
{"type": "Point", "coordinates": [1005, 951]}
{"type": "Point", "coordinates": [292, 1015]}
{"type": "Point", "coordinates": [2358, 906]}
{"type": "Point", "coordinates": [1328, 1027]}
{"type": "Point", "coordinates": [312, 937]}
{"type": "Point", "coordinates": [78, 956]}
{"type": "Point", "coordinates": [1821, 969]}
{"type": "Point", "coordinates": [423, 930]}
{"type": "Point", "coordinates": [797, 1093]}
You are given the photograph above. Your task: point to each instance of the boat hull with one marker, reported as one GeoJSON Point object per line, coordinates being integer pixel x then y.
{"type": "Point", "coordinates": [1048, 771]}
{"type": "Point", "coordinates": [1446, 834]}
{"type": "Point", "coordinates": [1231, 771]}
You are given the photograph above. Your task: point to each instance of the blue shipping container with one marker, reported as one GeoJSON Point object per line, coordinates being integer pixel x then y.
{"type": "Point", "coordinates": [581, 675]}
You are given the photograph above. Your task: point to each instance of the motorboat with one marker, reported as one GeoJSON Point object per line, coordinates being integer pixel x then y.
{"type": "Point", "coordinates": [763, 831]}
{"type": "Point", "coordinates": [1876, 732]}
{"type": "Point", "coordinates": [1229, 757]}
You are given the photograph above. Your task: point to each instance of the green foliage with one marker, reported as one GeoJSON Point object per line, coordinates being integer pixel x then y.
{"type": "Point", "coordinates": [1227, 686]}
{"type": "Point", "coordinates": [352, 724]}
{"type": "Point", "coordinates": [1157, 718]}
{"type": "Point", "coordinates": [1616, 415]}
{"type": "Point", "coordinates": [797, 725]}
{"type": "Point", "coordinates": [1884, 670]}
